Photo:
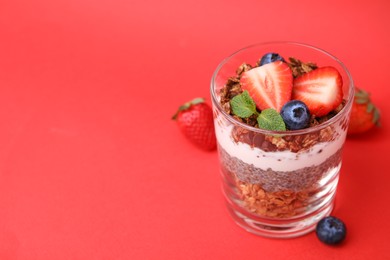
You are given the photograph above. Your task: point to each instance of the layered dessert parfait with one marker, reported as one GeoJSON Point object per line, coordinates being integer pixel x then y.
{"type": "Point", "coordinates": [281, 124]}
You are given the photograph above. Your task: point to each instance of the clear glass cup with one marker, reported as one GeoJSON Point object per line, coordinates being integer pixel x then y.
{"type": "Point", "coordinates": [279, 184]}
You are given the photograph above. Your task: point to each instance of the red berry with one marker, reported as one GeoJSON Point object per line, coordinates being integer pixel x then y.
{"type": "Point", "coordinates": [320, 89]}
{"type": "Point", "coordinates": [364, 114]}
{"type": "Point", "coordinates": [269, 85]}
{"type": "Point", "coordinates": [196, 122]}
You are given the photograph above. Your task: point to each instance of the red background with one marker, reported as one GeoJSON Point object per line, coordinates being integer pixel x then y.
{"type": "Point", "coordinates": [92, 167]}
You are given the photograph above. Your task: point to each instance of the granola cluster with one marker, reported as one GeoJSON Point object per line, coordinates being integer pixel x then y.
{"type": "Point", "coordinates": [298, 67]}
{"type": "Point", "coordinates": [281, 204]}
{"type": "Point", "coordinates": [293, 143]}
{"type": "Point", "coordinates": [301, 142]}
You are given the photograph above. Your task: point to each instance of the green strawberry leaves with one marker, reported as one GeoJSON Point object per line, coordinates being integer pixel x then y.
{"type": "Point", "coordinates": [187, 105]}
{"type": "Point", "coordinates": [363, 97]}
{"type": "Point", "coordinates": [269, 119]}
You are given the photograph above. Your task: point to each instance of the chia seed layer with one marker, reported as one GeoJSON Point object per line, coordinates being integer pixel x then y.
{"type": "Point", "coordinates": [276, 194]}
{"type": "Point", "coordinates": [273, 181]}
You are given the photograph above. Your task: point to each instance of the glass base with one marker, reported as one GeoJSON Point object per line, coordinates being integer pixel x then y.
{"type": "Point", "coordinates": [280, 228]}
{"type": "Point", "coordinates": [284, 220]}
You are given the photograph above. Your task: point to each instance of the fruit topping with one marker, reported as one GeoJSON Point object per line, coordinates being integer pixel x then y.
{"type": "Point", "coordinates": [331, 230]}
{"type": "Point", "coordinates": [273, 85]}
{"type": "Point", "coordinates": [270, 57]}
{"type": "Point", "coordinates": [320, 89]}
{"type": "Point", "coordinates": [269, 85]}
{"type": "Point", "coordinates": [364, 114]}
{"type": "Point", "coordinates": [296, 115]}
{"type": "Point", "coordinates": [196, 122]}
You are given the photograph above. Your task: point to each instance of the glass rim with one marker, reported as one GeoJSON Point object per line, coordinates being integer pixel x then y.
{"type": "Point", "coordinates": [331, 121]}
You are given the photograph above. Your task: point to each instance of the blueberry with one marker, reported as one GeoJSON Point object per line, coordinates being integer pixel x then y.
{"type": "Point", "coordinates": [295, 115]}
{"type": "Point", "coordinates": [270, 57]}
{"type": "Point", "coordinates": [331, 230]}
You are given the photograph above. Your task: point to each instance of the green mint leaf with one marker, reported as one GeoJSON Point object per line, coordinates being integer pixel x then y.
{"type": "Point", "coordinates": [270, 119]}
{"type": "Point", "coordinates": [243, 105]}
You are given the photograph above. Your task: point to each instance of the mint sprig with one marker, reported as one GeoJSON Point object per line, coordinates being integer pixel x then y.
{"type": "Point", "coordinates": [243, 105]}
{"type": "Point", "coordinates": [270, 119]}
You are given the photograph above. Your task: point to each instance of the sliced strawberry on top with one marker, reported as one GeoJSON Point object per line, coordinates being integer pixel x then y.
{"type": "Point", "coordinates": [269, 85]}
{"type": "Point", "coordinates": [320, 89]}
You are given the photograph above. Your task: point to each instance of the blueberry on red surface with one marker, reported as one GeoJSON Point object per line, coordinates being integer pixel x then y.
{"type": "Point", "coordinates": [270, 57]}
{"type": "Point", "coordinates": [331, 230]}
{"type": "Point", "coordinates": [295, 115]}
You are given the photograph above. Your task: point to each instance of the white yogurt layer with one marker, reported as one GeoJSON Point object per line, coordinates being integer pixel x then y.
{"type": "Point", "coordinates": [278, 160]}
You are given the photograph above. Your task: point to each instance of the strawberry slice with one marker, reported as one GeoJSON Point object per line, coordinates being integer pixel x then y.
{"type": "Point", "coordinates": [320, 89]}
{"type": "Point", "coordinates": [269, 85]}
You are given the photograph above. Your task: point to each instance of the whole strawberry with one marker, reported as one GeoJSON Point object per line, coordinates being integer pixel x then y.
{"type": "Point", "coordinates": [364, 114]}
{"type": "Point", "coordinates": [195, 121]}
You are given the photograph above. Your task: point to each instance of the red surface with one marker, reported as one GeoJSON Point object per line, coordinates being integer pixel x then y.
{"type": "Point", "coordinates": [92, 167]}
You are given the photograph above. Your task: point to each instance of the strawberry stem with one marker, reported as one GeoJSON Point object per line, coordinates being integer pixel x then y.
{"type": "Point", "coordinates": [363, 97]}
{"type": "Point", "coordinates": [187, 105]}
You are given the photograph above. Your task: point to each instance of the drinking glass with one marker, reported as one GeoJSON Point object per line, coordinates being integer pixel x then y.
{"type": "Point", "coordinates": [279, 184]}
